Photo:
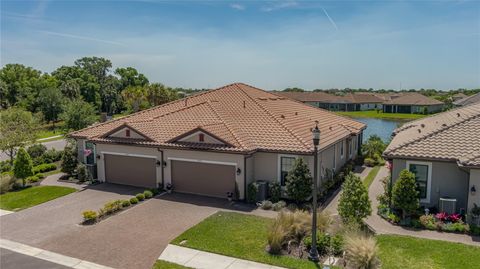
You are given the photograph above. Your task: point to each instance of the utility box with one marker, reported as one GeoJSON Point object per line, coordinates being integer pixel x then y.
{"type": "Point", "coordinates": [262, 193]}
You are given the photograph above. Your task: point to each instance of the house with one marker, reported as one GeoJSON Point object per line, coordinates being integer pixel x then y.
{"type": "Point", "coordinates": [458, 96]}
{"type": "Point", "coordinates": [347, 102]}
{"type": "Point", "coordinates": [410, 102]}
{"type": "Point", "coordinates": [443, 151]}
{"type": "Point", "coordinates": [472, 99]}
{"type": "Point", "coordinates": [399, 102]}
{"type": "Point", "coordinates": [216, 142]}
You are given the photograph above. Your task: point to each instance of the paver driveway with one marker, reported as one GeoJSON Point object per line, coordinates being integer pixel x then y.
{"type": "Point", "coordinates": [134, 238]}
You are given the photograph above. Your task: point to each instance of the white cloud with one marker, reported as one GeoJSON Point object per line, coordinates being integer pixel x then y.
{"type": "Point", "coordinates": [237, 6]}
{"type": "Point", "coordinates": [280, 5]}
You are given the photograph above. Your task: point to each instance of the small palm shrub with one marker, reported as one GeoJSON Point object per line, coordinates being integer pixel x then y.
{"type": "Point", "coordinates": [148, 194]}
{"type": "Point", "coordinates": [133, 200]}
{"type": "Point", "coordinates": [140, 196]}
{"type": "Point", "coordinates": [89, 216]}
{"type": "Point", "coordinates": [361, 251]}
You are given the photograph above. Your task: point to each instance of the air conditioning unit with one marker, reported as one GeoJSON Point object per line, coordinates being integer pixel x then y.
{"type": "Point", "coordinates": [448, 205]}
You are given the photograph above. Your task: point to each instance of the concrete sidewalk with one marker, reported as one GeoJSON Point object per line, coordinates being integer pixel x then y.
{"type": "Point", "coordinates": [205, 260]}
{"type": "Point", "coordinates": [381, 226]}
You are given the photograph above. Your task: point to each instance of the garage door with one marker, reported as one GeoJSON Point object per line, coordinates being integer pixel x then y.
{"type": "Point", "coordinates": [203, 178]}
{"type": "Point", "coordinates": [127, 170]}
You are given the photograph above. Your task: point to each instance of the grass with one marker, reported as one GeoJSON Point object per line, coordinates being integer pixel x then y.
{"type": "Point", "coordinates": [237, 235]}
{"type": "Point", "coordinates": [48, 130]}
{"type": "Point", "coordinates": [371, 176]}
{"type": "Point", "coordinates": [28, 197]}
{"type": "Point", "coordinates": [168, 265]}
{"type": "Point", "coordinates": [415, 253]}
{"type": "Point", "coordinates": [381, 115]}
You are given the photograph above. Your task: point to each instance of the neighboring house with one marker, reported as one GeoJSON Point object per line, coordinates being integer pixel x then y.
{"type": "Point", "coordinates": [404, 102]}
{"type": "Point", "coordinates": [216, 142]}
{"type": "Point", "coordinates": [443, 151]}
{"type": "Point", "coordinates": [458, 96]}
{"type": "Point", "coordinates": [472, 99]}
{"type": "Point", "coordinates": [410, 102]}
{"type": "Point", "coordinates": [347, 102]}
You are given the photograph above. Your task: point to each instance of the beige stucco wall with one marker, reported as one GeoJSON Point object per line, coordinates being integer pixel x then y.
{"type": "Point", "coordinates": [474, 181]}
{"type": "Point", "coordinates": [122, 134]}
{"type": "Point", "coordinates": [447, 180]}
{"type": "Point", "coordinates": [194, 138]}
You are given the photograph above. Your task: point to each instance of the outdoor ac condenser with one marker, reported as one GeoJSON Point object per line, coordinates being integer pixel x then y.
{"type": "Point", "coordinates": [448, 205]}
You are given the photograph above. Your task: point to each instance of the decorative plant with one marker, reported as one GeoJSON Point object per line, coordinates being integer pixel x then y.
{"type": "Point", "coordinates": [405, 194]}
{"type": "Point", "coordinates": [442, 216]}
{"type": "Point", "coordinates": [475, 210]}
{"type": "Point", "coordinates": [22, 166]}
{"type": "Point", "coordinates": [275, 191]}
{"type": "Point", "coordinates": [299, 182]}
{"type": "Point", "coordinates": [354, 204]}
{"type": "Point", "coordinates": [455, 218]}
{"type": "Point", "coordinates": [252, 191]}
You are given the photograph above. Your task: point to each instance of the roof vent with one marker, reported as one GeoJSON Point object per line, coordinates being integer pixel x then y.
{"type": "Point", "coordinates": [444, 125]}
{"type": "Point", "coordinates": [423, 125]}
{"type": "Point", "coordinates": [282, 116]}
{"type": "Point", "coordinates": [296, 113]}
{"type": "Point", "coordinates": [419, 130]}
{"type": "Point", "coordinates": [244, 105]}
{"type": "Point", "coordinates": [458, 114]}
{"type": "Point", "coordinates": [331, 128]}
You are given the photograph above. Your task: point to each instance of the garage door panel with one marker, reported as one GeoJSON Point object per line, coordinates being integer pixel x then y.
{"type": "Point", "coordinates": [203, 178]}
{"type": "Point", "coordinates": [128, 170]}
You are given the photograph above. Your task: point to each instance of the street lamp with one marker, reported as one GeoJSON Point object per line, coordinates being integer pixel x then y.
{"type": "Point", "coordinates": [313, 254]}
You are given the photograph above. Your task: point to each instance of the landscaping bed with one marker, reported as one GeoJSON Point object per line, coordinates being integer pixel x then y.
{"type": "Point", "coordinates": [31, 196]}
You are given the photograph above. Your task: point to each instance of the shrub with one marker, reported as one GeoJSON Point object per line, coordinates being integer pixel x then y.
{"type": "Point", "coordinates": [393, 218]}
{"type": "Point", "coordinates": [69, 159]}
{"type": "Point", "coordinates": [354, 204]}
{"type": "Point", "coordinates": [32, 179]}
{"type": "Point", "coordinates": [5, 166]}
{"type": "Point", "coordinates": [369, 162]}
{"type": "Point", "coordinates": [36, 150]}
{"type": "Point", "coordinates": [475, 230]}
{"type": "Point", "coordinates": [292, 207]}
{"type": "Point", "coordinates": [126, 203]}
{"type": "Point", "coordinates": [133, 200]}
{"type": "Point", "coordinates": [275, 191]}
{"type": "Point", "coordinates": [89, 216]}
{"type": "Point", "coordinates": [459, 227]}
{"type": "Point", "coordinates": [374, 145]}
{"type": "Point", "coordinates": [101, 212]}
{"type": "Point", "coordinates": [299, 181]}
{"type": "Point", "coordinates": [83, 174]}
{"type": "Point", "coordinates": [475, 210]}
{"type": "Point", "coordinates": [279, 205]}
{"type": "Point", "coordinates": [155, 191]}
{"type": "Point", "coordinates": [428, 221]}
{"type": "Point", "coordinates": [386, 197]}
{"type": "Point", "coordinates": [326, 244]}
{"type": "Point", "coordinates": [40, 175]}
{"type": "Point", "coordinates": [276, 237]}
{"type": "Point", "coordinates": [265, 205]}
{"type": "Point", "coordinates": [252, 191]}
{"type": "Point", "coordinates": [113, 206]}
{"type": "Point", "coordinates": [46, 167]}
{"type": "Point", "coordinates": [288, 226]}
{"type": "Point", "coordinates": [51, 156]}
{"type": "Point", "coordinates": [140, 196]}
{"type": "Point", "coordinates": [6, 182]}
{"type": "Point", "coordinates": [148, 194]}
{"type": "Point", "coordinates": [337, 244]}
{"type": "Point", "coordinates": [361, 251]}
{"type": "Point", "coordinates": [22, 166]}
{"type": "Point", "coordinates": [405, 194]}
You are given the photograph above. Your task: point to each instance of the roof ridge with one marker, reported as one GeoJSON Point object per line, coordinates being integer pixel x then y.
{"type": "Point", "coordinates": [431, 134]}
{"type": "Point", "coordinates": [272, 116]}
{"type": "Point", "coordinates": [223, 121]}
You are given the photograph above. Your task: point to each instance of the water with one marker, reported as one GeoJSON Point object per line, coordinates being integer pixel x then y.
{"type": "Point", "coordinates": [380, 127]}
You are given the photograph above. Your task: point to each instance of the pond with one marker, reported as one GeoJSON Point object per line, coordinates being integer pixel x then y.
{"type": "Point", "coordinates": [380, 127]}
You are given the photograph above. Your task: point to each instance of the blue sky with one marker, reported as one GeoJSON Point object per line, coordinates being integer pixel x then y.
{"type": "Point", "coordinates": [269, 44]}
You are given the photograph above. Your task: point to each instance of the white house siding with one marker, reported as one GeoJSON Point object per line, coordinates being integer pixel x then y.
{"type": "Point", "coordinates": [447, 180]}
{"type": "Point", "coordinates": [474, 182]}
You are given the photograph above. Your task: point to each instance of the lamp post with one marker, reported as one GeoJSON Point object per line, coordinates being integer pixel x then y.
{"type": "Point", "coordinates": [313, 254]}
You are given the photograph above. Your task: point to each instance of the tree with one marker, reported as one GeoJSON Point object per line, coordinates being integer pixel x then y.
{"type": "Point", "coordinates": [405, 193]}
{"type": "Point", "coordinates": [129, 76]}
{"type": "Point", "coordinates": [88, 86]}
{"type": "Point", "coordinates": [22, 167]}
{"type": "Point", "coordinates": [158, 94]}
{"type": "Point", "coordinates": [51, 104]}
{"type": "Point", "coordinates": [17, 127]}
{"type": "Point", "coordinates": [374, 146]}
{"type": "Point", "coordinates": [69, 158]}
{"type": "Point", "coordinates": [135, 98]}
{"type": "Point", "coordinates": [78, 114]}
{"type": "Point", "coordinates": [354, 204]}
{"type": "Point", "coordinates": [70, 89]}
{"type": "Point", "coordinates": [19, 81]}
{"type": "Point", "coordinates": [299, 181]}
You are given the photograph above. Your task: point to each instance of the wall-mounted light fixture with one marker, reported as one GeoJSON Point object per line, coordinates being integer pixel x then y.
{"type": "Point", "coordinates": [473, 190]}
{"type": "Point", "coordinates": [98, 156]}
{"type": "Point", "coordinates": [239, 171]}
{"type": "Point", "coordinates": [164, 164]}
{"type": "Point", "coordinates": [158, 163]}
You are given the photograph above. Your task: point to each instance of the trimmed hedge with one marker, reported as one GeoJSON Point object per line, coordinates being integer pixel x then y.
{"type": "Point", "coordinates": [46, 167]}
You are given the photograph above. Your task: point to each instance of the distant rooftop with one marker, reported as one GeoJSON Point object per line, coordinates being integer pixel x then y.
{"type": "Point", "coordinates": [468, 100]}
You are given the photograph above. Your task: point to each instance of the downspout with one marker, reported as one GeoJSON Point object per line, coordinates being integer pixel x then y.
{"type": "Point", "coordinates": [245, 187]}
{"type": "Point", "coordinates": [162, 166]}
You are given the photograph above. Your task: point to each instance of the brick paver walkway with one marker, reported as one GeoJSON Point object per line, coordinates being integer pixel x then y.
{"type": "Point", "coordinates": [381, 226]}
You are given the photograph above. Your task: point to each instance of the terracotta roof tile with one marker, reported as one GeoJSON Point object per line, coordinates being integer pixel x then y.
{"type": "Point", "coordinates": [468, 100]}
{"type": "Point", "coordinates": [245, 117]}
{"type": "Point", "coordinates": [451, 135]}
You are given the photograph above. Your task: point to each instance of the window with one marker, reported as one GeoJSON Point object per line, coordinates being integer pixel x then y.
{"type": "Point", "coordinates": [286, 165]}
{"type": "Point", "coordinates": [422, 176]}
{"type": "Point", "coordinates": [341, 149]}
{"type": "Point", "coordinates": [201, 137]}
{"type": "Point", "coordinates": [127, 132]}
{"type": "Point", "coordinates": [89, 153]}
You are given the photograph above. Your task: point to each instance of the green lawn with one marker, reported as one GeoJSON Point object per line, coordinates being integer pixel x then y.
{"type": "Point", "coordinates": [244, 236]}
{"type": "Point", "coordinates": [168, 265]}
{"type": "Point", "coordinates": [398, 252]}
{"type": "Point", "coordinates": [371, 176]}
{"type": "Point", "coordinates": [381, 115]}
{"type": "Point", "coordinates": [25, 198]}
{"type": "Point", "coordinates": [48, 130]}
{"type": "Point", "coordinates": [237, 235]}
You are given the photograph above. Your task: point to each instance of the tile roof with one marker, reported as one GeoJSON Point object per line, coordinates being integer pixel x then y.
{"type": "Point", "coordinates": [247, 118]}
{"type": "Point", "coordinates": [311, 96]}
{"type": "Point", "coordinates": [452, 135]}
{"type": "Point", "coordinates": [410, 98]}
{"type": "Point", "coordinates": [468, 100]}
